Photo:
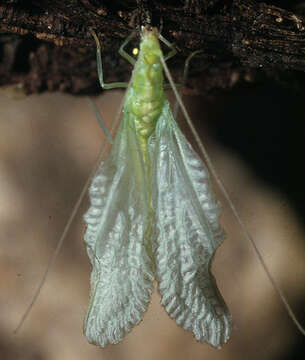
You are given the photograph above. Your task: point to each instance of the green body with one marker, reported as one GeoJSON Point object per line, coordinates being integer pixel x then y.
{"type": "Point", "coordinates": [143, 107]}
{"type": "Point", "coordinates": [146, 96]}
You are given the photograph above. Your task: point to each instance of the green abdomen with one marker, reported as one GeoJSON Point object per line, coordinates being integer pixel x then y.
{"type": "Point", "coordinates": [145, 100]}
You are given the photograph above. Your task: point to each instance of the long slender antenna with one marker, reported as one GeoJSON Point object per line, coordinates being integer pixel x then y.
{"type": "Point", "coordinates": [229, 201]}
{"type": "Point", "coordinates": [69, 222]}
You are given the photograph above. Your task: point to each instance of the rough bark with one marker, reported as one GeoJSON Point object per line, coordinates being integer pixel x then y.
{"type": "Point", "coordinates": [46, 45]}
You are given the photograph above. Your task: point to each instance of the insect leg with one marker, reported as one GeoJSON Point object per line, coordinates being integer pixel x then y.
{"type": "Point", "coordinates": [113, 85]}
{"type": "Point", "coordinates": [100, 120]}
{"type": "Point", "coordinates": [187, 64]}
{"type": "Point", "coordinates": [173, 50]}
{"type": "Point", "coordinates": [171, 54]}
{"type": "Point", "coordinates": [123, 53]}
{"type": "Point", "coordinates": [184, 78]}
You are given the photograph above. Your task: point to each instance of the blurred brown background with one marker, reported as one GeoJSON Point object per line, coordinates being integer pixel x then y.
{"type": "Point", "coordinates": [48, 146]}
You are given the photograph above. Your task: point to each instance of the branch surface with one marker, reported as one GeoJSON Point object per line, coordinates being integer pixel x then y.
{"type": "Point", "coordinates": [46, 45]}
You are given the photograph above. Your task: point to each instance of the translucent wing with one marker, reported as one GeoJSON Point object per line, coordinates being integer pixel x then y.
{"type": "Point", "coordinates": [121, 279]}
{"type": "Point", "coordinates": [188, 234]}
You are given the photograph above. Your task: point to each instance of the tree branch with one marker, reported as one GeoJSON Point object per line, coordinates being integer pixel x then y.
{"type": "Point", "coordinates": [46, 45]}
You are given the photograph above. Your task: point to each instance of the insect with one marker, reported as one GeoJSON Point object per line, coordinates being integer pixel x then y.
{"type": "Point", "coordinates": [153, 215]}
{"type": "Point", "coordinates": [241, 333]}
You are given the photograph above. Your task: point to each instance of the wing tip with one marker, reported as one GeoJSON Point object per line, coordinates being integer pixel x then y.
{"type": "Point", "coordinates": [109, 336]}
{"type": "Point", "coordinates": [217, 333]}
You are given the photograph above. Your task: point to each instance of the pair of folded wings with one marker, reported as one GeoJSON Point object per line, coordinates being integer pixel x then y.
{"type": "Point", "coordinates": [178, 251]}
